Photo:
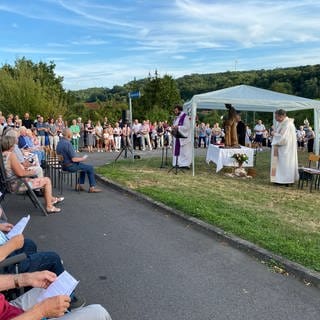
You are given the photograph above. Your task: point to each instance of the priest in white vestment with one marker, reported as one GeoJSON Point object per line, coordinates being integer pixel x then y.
{"type": "Point", "coordinates": [284, 156]}
{"type": "Point", "coordinates": [182, 147]}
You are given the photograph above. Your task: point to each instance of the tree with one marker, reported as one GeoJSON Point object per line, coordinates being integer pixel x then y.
{"type": "Point", "coordinates": [283, 87]}
{"type": "Point", "coordinates": [159, 95]}
{"type": "Point", "coordinates": [32, 87]}
{"type": "Point", "coordinates": [310, 88]}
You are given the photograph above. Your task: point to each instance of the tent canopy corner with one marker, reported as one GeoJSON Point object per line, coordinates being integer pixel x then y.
{"type": "Point", "coordinates": [249, 98]}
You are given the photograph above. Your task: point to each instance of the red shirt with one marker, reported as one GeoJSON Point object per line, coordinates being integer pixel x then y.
{"type": "Point", "coordinates": [7, 311]}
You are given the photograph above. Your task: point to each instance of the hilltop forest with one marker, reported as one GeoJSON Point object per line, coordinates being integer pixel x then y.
{"type": "Point", "coordinates": [34, 87]}
{"type": "Point", "coordinates": [302, 81]}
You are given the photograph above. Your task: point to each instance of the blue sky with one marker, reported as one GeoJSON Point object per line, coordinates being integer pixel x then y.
{"type": "Point", "coordinates": [101, 43]}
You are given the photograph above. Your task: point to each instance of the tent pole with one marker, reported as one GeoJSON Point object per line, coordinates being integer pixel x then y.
{"type": "Point", "coordinates": [316, 129]}
{"type": "Point", "coordinates": [274, 122]}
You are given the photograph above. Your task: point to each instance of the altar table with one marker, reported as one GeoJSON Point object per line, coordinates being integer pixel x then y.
{"type": "Point", "coordinates": [222, 157]}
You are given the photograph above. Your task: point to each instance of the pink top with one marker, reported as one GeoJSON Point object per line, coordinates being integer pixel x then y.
{"type": "Point", "coordinates": [8, 311]}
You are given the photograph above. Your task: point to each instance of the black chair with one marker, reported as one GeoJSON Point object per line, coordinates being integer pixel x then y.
{"type": "Point", "coordinates": [55, 170]}
{"type": "Point", "coordinates": [311, 173]}
{"type": "Point", "coordinates": [22, 181]}
{"type": "Point", "coordinates": [14, 260]}
{"type": "Point", "coordinates": [66, 175]}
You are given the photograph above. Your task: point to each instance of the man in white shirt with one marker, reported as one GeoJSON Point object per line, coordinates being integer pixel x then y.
{"type": "Point", "coordinates": [301, 134]}
{"type": "Point", "coordinates": [259, 130]}
{"type": "Point", "coordinates": [136, 127]}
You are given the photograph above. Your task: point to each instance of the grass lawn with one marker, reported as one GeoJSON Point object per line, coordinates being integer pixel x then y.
{"type": "Point", "coordinates": [284, 220]}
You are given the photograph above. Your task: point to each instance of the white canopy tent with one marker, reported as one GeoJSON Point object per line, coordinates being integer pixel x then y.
{"type": "Point", "coordinates": [248, 98]}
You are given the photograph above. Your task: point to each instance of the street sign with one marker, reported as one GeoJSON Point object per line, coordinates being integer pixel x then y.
{"type": "Point", "coordinates": [134, 94]}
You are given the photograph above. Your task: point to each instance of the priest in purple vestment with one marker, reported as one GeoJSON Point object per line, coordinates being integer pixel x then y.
{"type": "Point", "coordinates": [181, 131]}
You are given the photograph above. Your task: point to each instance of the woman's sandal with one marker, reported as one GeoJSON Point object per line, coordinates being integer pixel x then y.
{"type": "Point", "coordinates": [57, 200]}
{"type": "Point", "coordinates": [53, 209]}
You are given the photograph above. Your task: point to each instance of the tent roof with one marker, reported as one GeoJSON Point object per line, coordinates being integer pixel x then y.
{"type": "Point", "coordinates": [250, 98]}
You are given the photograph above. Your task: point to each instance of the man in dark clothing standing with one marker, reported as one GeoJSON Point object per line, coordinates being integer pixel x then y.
{"type": "Point", "coordinates": [27, 122]}
{"type": "Point", "coordinates": [241, 130]}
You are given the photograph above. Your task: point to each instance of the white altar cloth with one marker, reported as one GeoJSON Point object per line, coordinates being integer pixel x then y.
{"type": "Point", "coordinates": [222, 157]}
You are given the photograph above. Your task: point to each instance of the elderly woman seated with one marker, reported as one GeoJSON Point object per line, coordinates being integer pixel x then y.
{"type": "Point", "coordinates": [14, 169]}
{"type": "Point", "coordinates": [27, 159]}
{"type": "Point", "coordinates": [25, 142]}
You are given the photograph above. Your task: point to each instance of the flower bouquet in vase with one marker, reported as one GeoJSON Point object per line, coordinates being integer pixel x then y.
{"type": "Point", "coordinates": [240, 159]}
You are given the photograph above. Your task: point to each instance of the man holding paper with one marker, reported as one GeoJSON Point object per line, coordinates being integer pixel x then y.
{"type": "Point", "coordinates": [72, 163]}
{"type": "Point", "coordinates": [27, 307]}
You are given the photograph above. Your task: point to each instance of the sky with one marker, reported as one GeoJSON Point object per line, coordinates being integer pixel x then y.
{"type": "Point", "coordinates": [102, 43]}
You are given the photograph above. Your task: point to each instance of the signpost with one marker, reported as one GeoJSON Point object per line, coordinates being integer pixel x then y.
{"type": "Point", "coordinates": [134, 94]}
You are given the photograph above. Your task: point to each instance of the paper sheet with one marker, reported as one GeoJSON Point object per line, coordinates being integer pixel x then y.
{"type": "Point", "coordinates": [19, 227]}
{"type": "Point", "coordinates": [63, 285]}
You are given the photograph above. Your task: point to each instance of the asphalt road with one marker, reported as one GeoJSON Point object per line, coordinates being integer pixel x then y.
{"type": "Point", "coordinates": [143, 264]}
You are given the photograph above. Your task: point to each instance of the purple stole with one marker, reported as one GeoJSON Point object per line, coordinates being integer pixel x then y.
{"type": "Point", "coordinates": [177, 144]}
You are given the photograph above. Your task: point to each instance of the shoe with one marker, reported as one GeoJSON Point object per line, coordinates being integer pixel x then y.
{"type": "Point", "coordinates": [79, 187]}
{"type": "Point", "coordinates": [94, 190]}
{"type": "Point", "coordinates": [76, 302]}
{"type": "Point", "coordinates": [57, 200]}
{"type": "Point", "coordinates": [53, 209]}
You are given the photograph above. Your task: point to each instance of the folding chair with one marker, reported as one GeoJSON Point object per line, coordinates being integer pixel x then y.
{"type": "Point", "coordinates": [311, 173]}
{"type": "Point", "coordinates": [64, 173]}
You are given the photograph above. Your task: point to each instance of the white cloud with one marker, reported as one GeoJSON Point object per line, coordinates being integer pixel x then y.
{"type": "Point", "coordinates": [121, 71]}
{"type": "Point", "coordinates": [89, 42]}
{"type": "Point", "coordinates": [57, 45]}
{"type": "Point", "coordinates": [182, 24]}
{"type": "Point", "coordinates": [102, 74]}
{"type": "Point", "coordinates": [179, 57]}
{"type": "Point", "coordinates": [103, 17]}
{"type": "Point", "coordinates": [29, 50]}
{"type": "Point", "coordinates": [176, 37]}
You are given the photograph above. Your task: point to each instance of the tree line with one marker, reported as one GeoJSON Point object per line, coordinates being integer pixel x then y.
{"type": "Point", "coordinates": [34, 87]}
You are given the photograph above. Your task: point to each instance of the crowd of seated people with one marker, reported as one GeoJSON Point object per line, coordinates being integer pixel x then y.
{"type": "Point", "coordinates": [28, 150]}
{"type": "Point", "coordinates": [14, 168]}
{"type": "Point", "coordinates": [22, 153]}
